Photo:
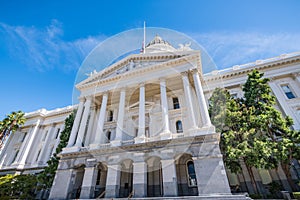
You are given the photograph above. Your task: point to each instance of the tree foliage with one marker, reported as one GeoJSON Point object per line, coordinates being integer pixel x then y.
{"type": "Point", "coordinates": [46, 178]}
{"type": "Point", "coordinates": [18, 186]}
{"type": "Point", "coordinates": [252, 130]}
{"type": "Point", "coordinates": [10, 124]}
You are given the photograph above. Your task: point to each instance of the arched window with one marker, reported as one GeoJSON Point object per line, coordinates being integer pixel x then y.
{"type": "Point", "coordinates": [179, 127]}
{"type": "Point", "coordinates": [191, 173]}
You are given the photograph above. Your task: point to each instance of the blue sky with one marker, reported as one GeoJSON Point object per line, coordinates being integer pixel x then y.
{"type": "Point", "coordinates": [43, 43]}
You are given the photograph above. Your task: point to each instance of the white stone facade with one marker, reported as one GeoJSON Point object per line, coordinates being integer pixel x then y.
{"type": "Point", "coordinates": [28, 150]}
{"type": "Point", "coordinates": [142, 128]}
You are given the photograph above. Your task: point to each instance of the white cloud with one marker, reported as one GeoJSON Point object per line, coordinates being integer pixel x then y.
{"type": "Point", "coordinates": [235, 48]}
{"type": "Point", "coordinates": [44, 49]}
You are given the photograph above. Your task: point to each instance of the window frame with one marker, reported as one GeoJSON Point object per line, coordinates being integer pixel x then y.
{"type": "Point", "coordinates": [188, 174]}
{"type": "Point", "coordinates": [176, 126]}
{"type": "Point", "coordinates": [110, 116]}
{"type": "Point", "coordinates": [176, 105]}
{"type": "Point", "coordinates": [291, 91]}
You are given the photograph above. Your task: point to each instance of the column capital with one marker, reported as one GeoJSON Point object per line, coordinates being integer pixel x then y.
{"type": "Point", "coordinates": [81, 99]}
{"type": "Point", "coordinates": [123, 89]}
{"type": "Point", "coordinates": [184, 74]}
{"type": "Point", "coordinates": [194, 71]}
{"type": "Point", "coordinates": [162, 79]}
{"type": "Point", "coordinates": [105, 93]}
{"type": "Point", "coordinates": [91, 162]}
{"type": "Point", "coordinates": [142, 84]}
{"type": "Point", "coordinates": [88, 97]}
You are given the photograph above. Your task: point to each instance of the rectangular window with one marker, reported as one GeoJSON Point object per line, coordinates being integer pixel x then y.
{"type": "Point", "coordinates": [288, 92]}
{"type": "Point", "coordinates": [38, 155]}
{"type": "Point", "coordinates": [176, 103]}
{"type": "Point", "coordinates": [57, 133]}
{"type": "Point", "coordinates": [24, 136]}
{"type": "Point", "coordinates": [110, 116]}
{"type": "Point", "coordinates": [15, 156]}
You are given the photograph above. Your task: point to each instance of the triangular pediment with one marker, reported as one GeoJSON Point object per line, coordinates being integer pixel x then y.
{"type": "Point", "coordinates": [135, 62]}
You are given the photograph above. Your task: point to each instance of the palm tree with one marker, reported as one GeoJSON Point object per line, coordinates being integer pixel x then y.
{"type": "Point", "coordinates": [10, 124]}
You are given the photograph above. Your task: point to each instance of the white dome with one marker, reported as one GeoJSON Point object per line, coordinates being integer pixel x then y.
{"type": "Point", "coordinates": [159, 45]}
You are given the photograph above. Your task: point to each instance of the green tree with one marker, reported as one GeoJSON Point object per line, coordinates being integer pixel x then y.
{"type": "Point", "coordinates": [10, 124]}
{"type": "Point", "coordinates": [46, 178]}
{"type": "Point", "coordinates": [18, 186]}
{"type": "Point", "coordinates": [252, 130]}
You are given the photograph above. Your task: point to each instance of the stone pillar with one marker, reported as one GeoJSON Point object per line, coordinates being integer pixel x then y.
{"type": "Point", "coordinates": [140, 179]}
{"type": "Point", "coordinates": [141, 132]}
{"type": "Point", "coordinates": [83, 123]}
{"type": "Point", "coordinates": [113, 181]}
{"type": "Point", "coordinates": [120, 121]}
{"type": "Point", "coordinates": [61, 184]}
{"type": "Point", "coordinates": [165, 111]}
{"type": "Point", "coordinates": [89, 181]}
{"type": "Point", "coordinates": [90, 126]}
{"type": "Point", "coordinates": [76, 124]}
{"type": "Point", "coordinates": [57, 140]}
{"type": "Point", "coordinates": [29, 144]}
{"type": "Point", "coordinates": [188, 99]}
{"type": "Point", "coordinates": [23, 146]}
{"type": "Point", "coordinates": [45, 145]}
{"type": "Point", "coordinates": [170, 188]}
{"type": "Point", "coordinates": [201, 100]}
{"type": "Point", "coordinates": [99, 139]}
{"type": "Point", "coordinates": [284, 105]}
{"type": "Point", "coordinates": [211, 175]}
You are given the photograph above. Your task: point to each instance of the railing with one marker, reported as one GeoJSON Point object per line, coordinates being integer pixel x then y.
{"type": "Point", "coordinates": [101, 195]}
{"type": "Point", "coordinates": [131, 194]}
{"type": "Point", "coordinates": [127, 142]}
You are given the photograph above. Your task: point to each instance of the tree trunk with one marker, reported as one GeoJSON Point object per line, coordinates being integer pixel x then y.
{"type": "Point", "coordinates": [287, 172]}
{"type": "Point", "coordinates": [252, 179]}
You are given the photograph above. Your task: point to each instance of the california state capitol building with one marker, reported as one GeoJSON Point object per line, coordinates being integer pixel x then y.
{"type": "Point", "coordinates": [142, 129]}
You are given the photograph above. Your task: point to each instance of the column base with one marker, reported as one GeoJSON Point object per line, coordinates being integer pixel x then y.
{"type": "Point", "coordinates": [70, 149]}
{"type": "Point", "coordinates": [141, 139]}
{"type": "Point", "coordinates": [116, 143]}
{"type": "Point", "coordinates": [94, 146]}
{"type": "Point", "coordinates": [165, 135]}
{"type": "Point", "coordinates": [201, 131]}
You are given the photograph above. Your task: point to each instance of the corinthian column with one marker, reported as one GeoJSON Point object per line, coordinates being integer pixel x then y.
{"type": "Point", "coordinates": [164, 104]}
{"type": "Point", "coordinates": [141, 132]}
{"type": "Point", "coordinates": [76, 123]}
{"type": "Point", "coordinates": [201, 99]}
{"type": "Point", "coordinates": [188, 98]}
{"type": "Point", "coordinates": [100, 124]}
{"type": "Point", "coordinates": [86, 112]}
{"type": "Point", "coordinates": [120, 121]}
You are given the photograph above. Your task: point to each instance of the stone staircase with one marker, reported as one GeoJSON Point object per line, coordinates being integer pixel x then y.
{"type": "Point", "coordinates": [202, 197]}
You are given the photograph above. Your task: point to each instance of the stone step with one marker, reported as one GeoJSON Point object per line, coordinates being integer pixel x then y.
{"type": "Point", "coordinates": [202, 197]}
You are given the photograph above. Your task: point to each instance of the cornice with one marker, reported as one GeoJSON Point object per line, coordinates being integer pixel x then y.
{"type": "Point", "coordinates": [143, 146]}
{"type": "Point", "coordinates": [177, 61]}
{"type": "Point", "coordinates": [146, 57]}
{"type": "Point", "coordinates": [246, 68]}
{"type": "Point", "coordinates": [43, 113]}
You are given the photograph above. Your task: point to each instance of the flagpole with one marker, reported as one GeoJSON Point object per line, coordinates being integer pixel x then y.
{"type": "Point", "coordinates": [144, 43]}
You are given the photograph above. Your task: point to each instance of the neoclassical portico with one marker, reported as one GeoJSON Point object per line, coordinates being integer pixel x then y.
{"type": "Point", "coordinates": [144, 130]}
{"type": "Point", "coordinates": [195, 122]}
